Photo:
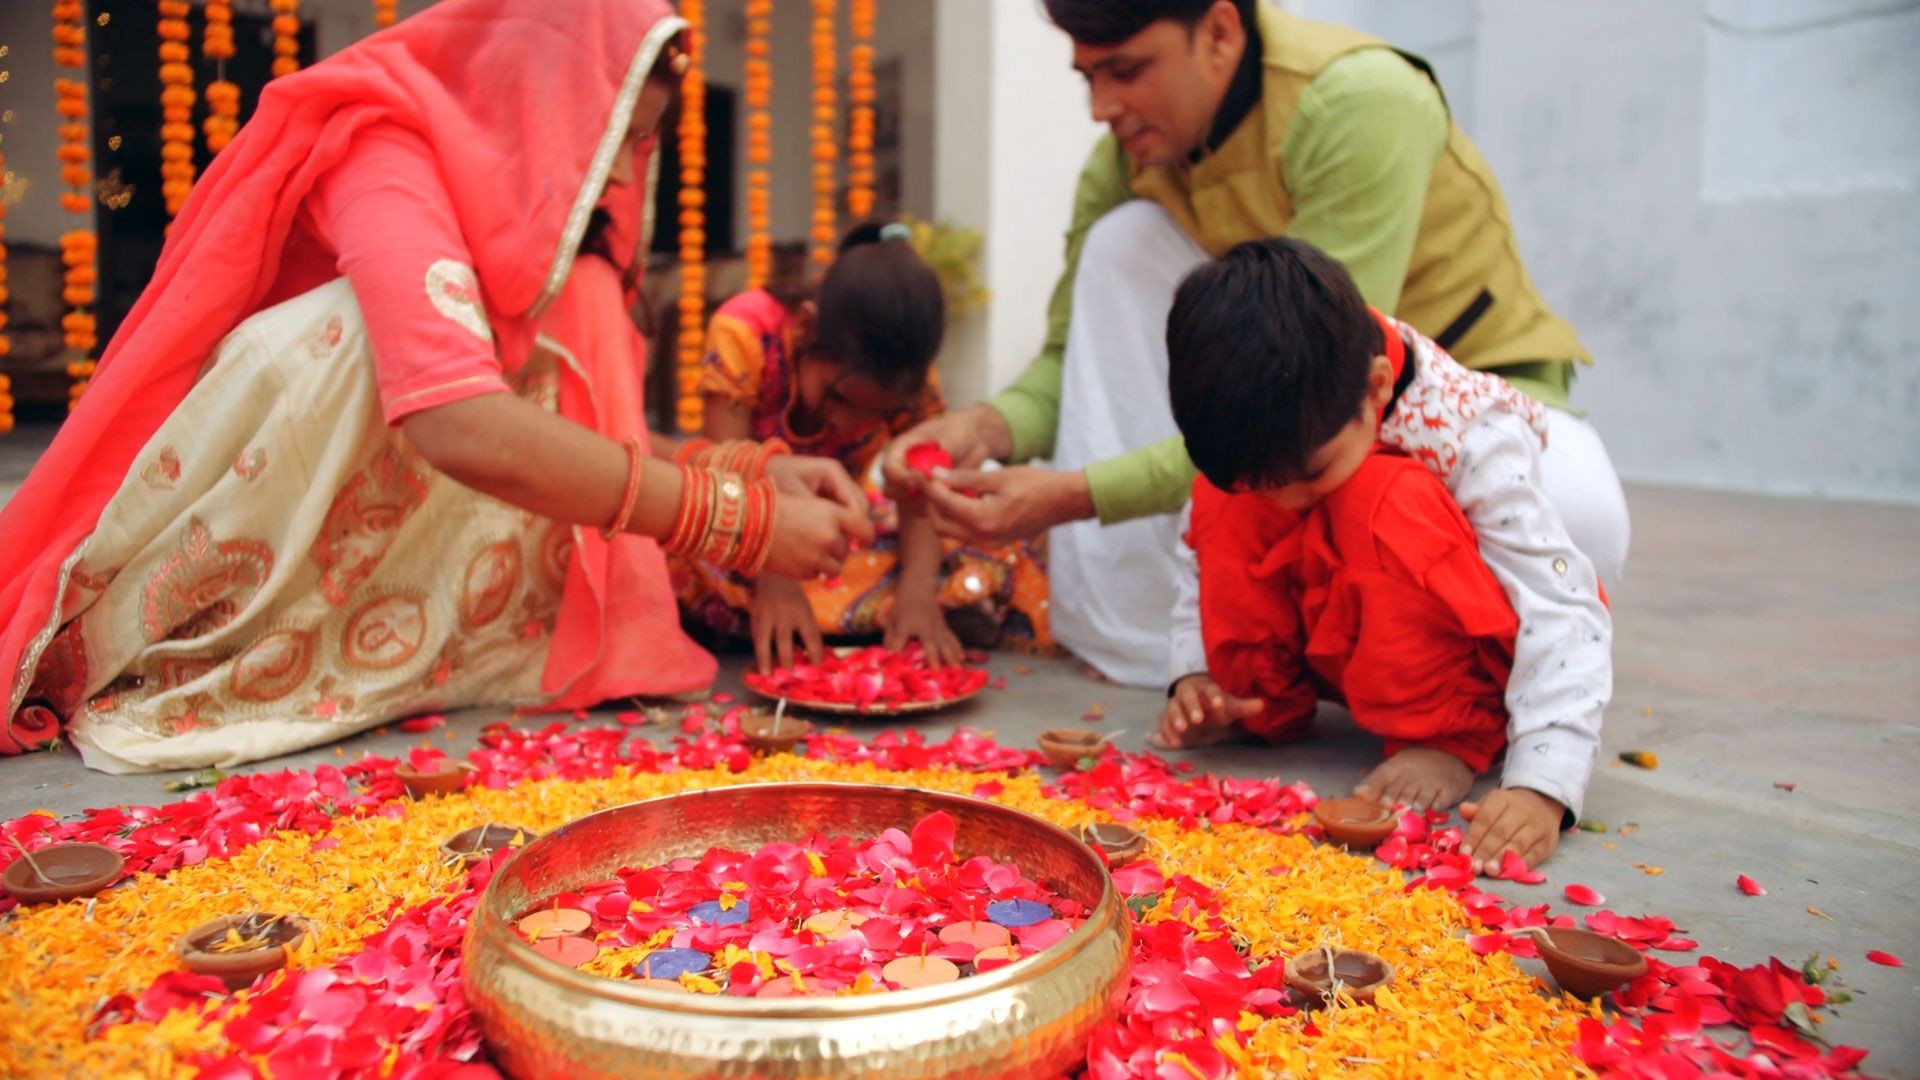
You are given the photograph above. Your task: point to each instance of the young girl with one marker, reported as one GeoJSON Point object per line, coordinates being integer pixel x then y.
{"type": "Point", "coordinates": [838, 374]}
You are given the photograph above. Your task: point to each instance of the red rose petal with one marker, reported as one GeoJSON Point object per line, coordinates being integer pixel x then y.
{"type": "Point", "coordinates": [1514, 868]}
{"type": "Point", "coordinates": [1584, 895]}
{"type": "Point", "coordinates": [1750, 886]}
{"type": "Point", "coordinates": [1885, 959]}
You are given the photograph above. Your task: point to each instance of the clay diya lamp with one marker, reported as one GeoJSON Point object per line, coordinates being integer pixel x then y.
{"type": "Point", "coordinates": [1587, 964]}
{"type": "Point", "coordinates": [1355, 822]}
{"type": "Point", "coordinates": [472, 845]}
{"type": "Point", "coordinates": [237, 949]}
{"type": "Point", "coordinates": [444, 778]}
{"type": "Point", "coordinates": [1065, 747]}
{"type": "Point", "coordinates": [773, 733]}
{"type": "Point", "coordinates": [1315, 974]}
{"type": "Point", "coordinates": [1120, 844]}
{"type": "Point", "coordinates": [62, 872]}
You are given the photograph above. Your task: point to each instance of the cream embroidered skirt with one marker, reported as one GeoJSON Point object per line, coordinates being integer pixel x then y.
{"type": "Point", "coordinates": [281, 569]}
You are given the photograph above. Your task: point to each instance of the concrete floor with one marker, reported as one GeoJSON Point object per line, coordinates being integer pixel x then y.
{"type": "Point", "coordinates": [1760, 642]}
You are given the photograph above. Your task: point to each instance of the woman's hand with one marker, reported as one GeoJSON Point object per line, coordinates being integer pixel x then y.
{"type": "Point", "coordinates": [781, 613]}
{"type": "Point", "coordinates": [811, 536]}
{"type": "Point", "coordinates": [798, 474]}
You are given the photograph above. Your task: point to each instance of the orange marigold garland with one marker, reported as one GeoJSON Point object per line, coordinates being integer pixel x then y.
{"type": "Point", "coordinates": [223, 97]}
{"type": "Point", "coordinates": [826, 71]}
{"type": "Point", "coordinates": [176, 105]}
{"type": "Point", "coordinates": [6, 343]}
{"type": "Point", "coordinates": [861, 96]}
{"type": "Point", "coordinates": [78, 246]}
{"type": "Point", "coordinates": [286, 37]}
{"type": "Point", "coordinates": [759, 94]}
{"type": "Point", "coordinates": [693, 233]}
{"type": "Point", "coordinates": [385, 13]}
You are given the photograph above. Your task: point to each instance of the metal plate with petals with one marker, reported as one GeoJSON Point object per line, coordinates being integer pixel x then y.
{"type": "Point", "coordinates": [1030, 1019]}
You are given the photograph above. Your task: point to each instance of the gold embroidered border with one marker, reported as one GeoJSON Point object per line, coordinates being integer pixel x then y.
{"type": "Point", "coordinates": [610, 139]}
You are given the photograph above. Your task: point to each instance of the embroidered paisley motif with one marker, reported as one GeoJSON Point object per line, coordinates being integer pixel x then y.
{"type": "Point", "coordinates": [272, 667]}
{"type": "Point", "coordinates": [163, 471]}
{"type": "Point", "coordinates": [250, 464]}
{"type": "Point", "coordinates": [384, 633]}
{"type": "Point", "coordinates": [203, 585]}
{"type": "Point", "coordinates": [492, 577]}
{"type": "Point", "coordinates": [362, 521]}
{"type": "Point", "coordinates": [454, 290]}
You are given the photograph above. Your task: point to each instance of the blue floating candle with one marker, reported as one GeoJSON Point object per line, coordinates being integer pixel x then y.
{"type": "Point", "coordinates": [1011, 913]}
{"type": "Point", "coordinates": [672, 963]}
{"type": "Point", "coordinates": [711, 913]}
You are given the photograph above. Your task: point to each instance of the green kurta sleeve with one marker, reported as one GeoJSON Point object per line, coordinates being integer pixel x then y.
{"type": "Point", "coordinates": [1357, 160]}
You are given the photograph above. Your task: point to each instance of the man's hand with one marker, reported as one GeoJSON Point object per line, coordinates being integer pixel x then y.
{"type": "Point", "coordinates": [1520, 820]}
{"type": "Point", "coordinates": [1011, 504]}
{"type": "Point", "coordinates": [970, 436]}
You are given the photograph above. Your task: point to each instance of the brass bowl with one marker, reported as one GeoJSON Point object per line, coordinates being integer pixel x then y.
{"type": "Point", "coordinates": [1030, 1019]}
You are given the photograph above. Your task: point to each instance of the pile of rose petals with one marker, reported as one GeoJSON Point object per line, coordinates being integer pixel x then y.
{"type": "Point", "coordinates": [827, 917]}
{"type": "Point", "coordinates": [873, 679]}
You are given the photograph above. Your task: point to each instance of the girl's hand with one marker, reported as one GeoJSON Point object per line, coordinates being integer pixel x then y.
{"type": "Point", "coordinates": [780, 614]}
{"type": "Point", "coordinates": [920, 619]}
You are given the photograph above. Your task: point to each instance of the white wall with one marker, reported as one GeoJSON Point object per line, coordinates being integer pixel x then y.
{"type": "Point", "coordinates": [1724, 196]}
{"type": "Point", "coordinates": [1011, 135]}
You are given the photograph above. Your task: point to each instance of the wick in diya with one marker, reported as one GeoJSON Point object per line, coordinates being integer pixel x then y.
{"type": "Point", "coordinates": [61, 872]}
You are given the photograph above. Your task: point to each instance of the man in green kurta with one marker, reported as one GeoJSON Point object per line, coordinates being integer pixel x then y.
{"type": "Point", "coordinates": [1229, 121]}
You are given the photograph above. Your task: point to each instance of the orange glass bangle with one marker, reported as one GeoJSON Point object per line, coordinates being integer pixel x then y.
{"type": "Point", "coordinates": [631, 497]}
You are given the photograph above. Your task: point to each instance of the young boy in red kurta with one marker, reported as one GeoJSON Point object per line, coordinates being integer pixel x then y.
{"type": "Point", "coordinates": [1370, 529]}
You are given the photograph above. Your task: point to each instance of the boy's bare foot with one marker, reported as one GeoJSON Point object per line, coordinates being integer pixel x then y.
{"type": "Point", "coordinates": [1091, 673]}
{"type": "Point", "coordinates": [1201, 714]}
{"type": "Point", "coordinates": [1419, 777]}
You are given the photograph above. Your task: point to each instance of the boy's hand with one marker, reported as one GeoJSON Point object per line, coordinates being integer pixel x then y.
{"type": "Point", "coordinates": [1201, 714]}
{"type": "Point", "coordinates": [1520, 820]}
{"type": "Point", "coordinates": [780, 612]}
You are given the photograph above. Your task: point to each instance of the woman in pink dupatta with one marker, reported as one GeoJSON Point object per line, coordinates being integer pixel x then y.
{"type": "Point", "coordinates": [350, 454]}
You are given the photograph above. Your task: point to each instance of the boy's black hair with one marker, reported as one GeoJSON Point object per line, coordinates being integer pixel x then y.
{"type": "Point", "coordinates": [1110, 22]}
{"type": "Point", "coordinates": [882, 311]}
{"type": "Point", "coordinates": [1268, 350]}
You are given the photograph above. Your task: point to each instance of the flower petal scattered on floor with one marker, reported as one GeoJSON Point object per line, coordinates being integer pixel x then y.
{"type": "Point", "coordinates": [380, 994]}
